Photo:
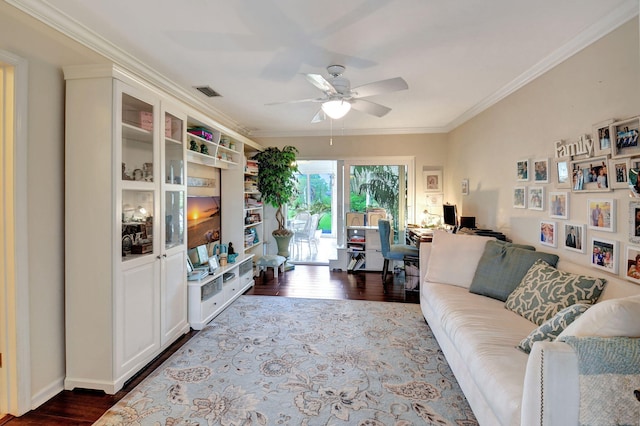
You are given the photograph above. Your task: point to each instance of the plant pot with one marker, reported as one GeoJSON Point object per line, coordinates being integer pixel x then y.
{"type": "Point", "coordinates": [283, 243]}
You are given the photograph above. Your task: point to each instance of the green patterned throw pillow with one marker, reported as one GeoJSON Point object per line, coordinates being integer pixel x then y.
{"type": "Point", "coordinates": [550, 329]}
{"type": "Point", "coordinates": [544, 291]}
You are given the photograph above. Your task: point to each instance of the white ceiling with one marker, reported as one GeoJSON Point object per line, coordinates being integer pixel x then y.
{"type": "Point", "coordinates": [458, 57]}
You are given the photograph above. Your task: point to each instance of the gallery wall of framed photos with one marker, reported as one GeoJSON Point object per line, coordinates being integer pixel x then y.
{"type": "Point", "coordinates": [575, 193]}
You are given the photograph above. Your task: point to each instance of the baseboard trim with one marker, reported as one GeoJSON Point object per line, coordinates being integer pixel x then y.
{"type": "Point", "coordinates": [47, 393]}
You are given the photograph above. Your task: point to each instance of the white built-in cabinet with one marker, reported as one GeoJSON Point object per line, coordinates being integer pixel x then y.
{"type": "Point", "coordinates": [127, 159]}
{"type": "Point", "coordinates": [125, 194]}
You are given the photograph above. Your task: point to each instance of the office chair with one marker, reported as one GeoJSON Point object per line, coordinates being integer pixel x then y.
{"type": "Point", "coordinates": [404, 252]}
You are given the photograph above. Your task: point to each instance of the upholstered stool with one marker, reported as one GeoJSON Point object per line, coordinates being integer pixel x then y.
{"type": "Point", "coordinates": [271, 261]}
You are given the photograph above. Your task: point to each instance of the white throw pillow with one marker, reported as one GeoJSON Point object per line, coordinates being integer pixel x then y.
{"type": "Point", "coordinates": [609, 318]}
{"type": "Point", "coordinates": [454, 258]}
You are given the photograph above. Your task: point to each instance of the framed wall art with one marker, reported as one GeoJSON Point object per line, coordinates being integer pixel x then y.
{"type": "Point", "coordinates": [632, 264]}
{"type": "Point", "coordinates": [602, 138]}
{"type": "Point", "coordinates": [536, 198]}
{"type": "Point", "coordinates": [432, 180]}
{"type": "Point", "coordinates": [559, 205]}
{"type": "Point", "coordinates": [563, 178]}
{"type": "Point", "coordinates": [590, 175]}
{"type": "Point", "coordinates": [602, 214]}
{"type": "Point", "coordinates": [619, 173]}
{"type": "Point", "coordinates": [604, 254]}
{"type": "Point", "coordinates": [625, 138]}
{"type": "Point", "coordinates": [465, 186]}
{"type": "Point", "coordinates": [634, 222]}
{"type": "Point", "coordinates": [541, 170]}
{"type": "Point", "coordinates": [548, 233]}
{"type": "Point", "coordinates": [522, 170]}
{"type": "Point", "coordinates": [520, 197]}
{"type": "Point", "coordinates": [574, 237]}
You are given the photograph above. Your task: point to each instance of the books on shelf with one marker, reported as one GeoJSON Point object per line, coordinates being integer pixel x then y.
{"type": "Point", "coordinates": [356, 262]}
{"type": "Point", "coordinates": [251, 167]}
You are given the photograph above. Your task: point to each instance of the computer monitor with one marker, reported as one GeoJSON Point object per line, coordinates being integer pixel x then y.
{"type": "Point", "coordinates": [450, 215]}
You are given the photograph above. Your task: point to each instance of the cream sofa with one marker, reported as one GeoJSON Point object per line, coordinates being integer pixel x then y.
{"type": "Point", "coordinates": [479, 338]}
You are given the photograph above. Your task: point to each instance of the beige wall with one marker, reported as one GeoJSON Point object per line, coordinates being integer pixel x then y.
{"type": "Point", "coordinates": [45, 51]}
{"type": "Point", "coordinates": [599, 83]}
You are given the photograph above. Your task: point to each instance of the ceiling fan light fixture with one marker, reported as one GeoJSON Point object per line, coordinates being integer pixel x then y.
{"type": "Point", "coordinates": [336, 109]}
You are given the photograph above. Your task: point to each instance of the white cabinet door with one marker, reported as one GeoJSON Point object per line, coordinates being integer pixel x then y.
{"type": "Point", "coordinates": [137, 316]}
{"type": "Point", "coordinates": [174, 296]}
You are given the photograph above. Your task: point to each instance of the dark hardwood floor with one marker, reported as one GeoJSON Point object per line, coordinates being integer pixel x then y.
{"type": "Point", "coordinates": [83, 407]}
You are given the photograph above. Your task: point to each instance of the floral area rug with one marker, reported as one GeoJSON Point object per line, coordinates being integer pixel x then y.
{"type": "Point", "coordinates": [284, 361]}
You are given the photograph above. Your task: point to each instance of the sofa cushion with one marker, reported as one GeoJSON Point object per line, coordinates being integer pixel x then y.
{"type": "Point", "coordinates": [551, 328]}
{"type": "Point", "coordinates": [454, 258]}
{"type": "Point", "coordinates": [502, 267]}
{"type": "Point", "coordinates": [609, 318]}
{"type": "Point", "coordinates": [544, 291]}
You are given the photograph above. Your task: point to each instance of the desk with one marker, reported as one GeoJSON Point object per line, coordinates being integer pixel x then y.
{"type": "Point", "coordinates": [415, 236]}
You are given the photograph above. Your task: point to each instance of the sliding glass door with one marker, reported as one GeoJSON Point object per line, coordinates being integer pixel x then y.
{"type": "Point", "coordinates": [381, 184]}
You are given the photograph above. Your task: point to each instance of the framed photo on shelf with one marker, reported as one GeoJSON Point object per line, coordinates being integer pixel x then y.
{"type": "Point", "coordinates": [522, 170]}
{"type": "Point", "coordinates": [520, 197]}
{"type": "Point", "coordinates": [548, 233]}
{"type": "Point", "coordinates": [602, 214]}
{"type": "Point", "coordinates": [559, 205]}
{"type": "Point", "coordinates": [574, 234]}
{"type": "Point", "coordinates": [625, 138]}
{"type": "Point", "coordinates": [563, 178]}
{"type": "Point", "coordinates": [541, 170]}
{"type": "Point", "coordinates": [590, 175]}
{"type": "Point", "coordinates": [432, 180]}
{"type": "Point", "coordinates": [634, 222]}
{"type": "Point", "coordinates": [604, 254]}
{"type": "Point", "coordinates": [602, 138]}
{"type": "Point", "coordinates": [632, 264]}
{"type": "Point", "coordinates": [536, 198]}
{"type": "Point", "coordinates": [619, 173]}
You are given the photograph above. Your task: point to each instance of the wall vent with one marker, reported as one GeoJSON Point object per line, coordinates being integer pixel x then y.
{"type": "Point", "coordinates": [207, 91]}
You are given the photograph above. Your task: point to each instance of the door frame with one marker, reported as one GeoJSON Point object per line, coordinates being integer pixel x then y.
{"type": "Point", "coordinates": [15, 374]}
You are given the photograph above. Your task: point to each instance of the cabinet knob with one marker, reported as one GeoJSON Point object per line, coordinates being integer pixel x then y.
{"type": "Point", "coordinates": [158, 257]}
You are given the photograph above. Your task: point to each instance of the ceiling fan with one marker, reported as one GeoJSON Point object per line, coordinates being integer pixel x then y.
{"type": "Point", "coordinates": [339, 97]}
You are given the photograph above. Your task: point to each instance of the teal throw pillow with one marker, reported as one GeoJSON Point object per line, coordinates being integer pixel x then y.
{"type": "Point", "coordinates": [502, 267]}
{"type": "Point", "coordinates": [550, 329]}
{"type": "Point", "coordinates": [545, 291]}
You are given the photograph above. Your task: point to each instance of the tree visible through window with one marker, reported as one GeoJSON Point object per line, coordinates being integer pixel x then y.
{"type": "Point", "coordinates": [373, 186]}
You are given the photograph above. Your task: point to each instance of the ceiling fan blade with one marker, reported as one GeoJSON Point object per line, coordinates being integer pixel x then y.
{"type": "Point", "coordinates": [379, 87]}
{"type": "Point", "coordinates": [320, 116]}
{"type": "Point", "coordinates": [321, 83]}
{"type": "Point", "coordinates": [298, 101]}
{"type": "Point", "coordinates": [369, 107]}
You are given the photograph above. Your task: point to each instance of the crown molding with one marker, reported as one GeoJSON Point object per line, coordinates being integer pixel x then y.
{"type": "Point", "coordinates": [614, 19]}
{"type": "Point", "coordinates": [347, 132]}
{"type": "Point", "coordinates": [43, 11]}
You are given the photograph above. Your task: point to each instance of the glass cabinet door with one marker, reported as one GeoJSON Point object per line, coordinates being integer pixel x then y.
{"type": "Point", "coordinates": [137, 223]}
{"type": "Point", "coordinates": [173, 150]}
{"type": "Point", "coordinates": [174, 218]}
{"type": "Point", "coordinates": [137, 140]}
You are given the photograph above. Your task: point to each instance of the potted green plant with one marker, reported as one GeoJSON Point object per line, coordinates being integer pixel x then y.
{"type": "Point", "coordinates": [277, 184]}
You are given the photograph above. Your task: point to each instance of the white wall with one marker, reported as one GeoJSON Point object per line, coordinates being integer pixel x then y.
{"type": "Point", "coordinates": [45, 51]}
{"type": "Point", "coordinates": [598, 83]}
